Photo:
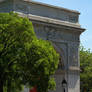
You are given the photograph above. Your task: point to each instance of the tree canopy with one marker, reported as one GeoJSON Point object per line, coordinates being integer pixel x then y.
{"type": "Point", "coordinates": [86, 69]}
{"type": "Point", "coordinates": [24, 59]}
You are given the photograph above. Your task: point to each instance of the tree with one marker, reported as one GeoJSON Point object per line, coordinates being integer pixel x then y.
{"type": "Point", "coordinates": [24, 60]}
{"type": "Point", "coordinates": [44, 61]}
{"type": "Point", "coordinates": [86, 69]}
{"type": "Point", "coordinates": [14, 33]}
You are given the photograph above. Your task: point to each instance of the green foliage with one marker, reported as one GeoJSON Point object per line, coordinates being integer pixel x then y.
{"type": "Point", "coordinates": [52, 84]}
{"type": "Point", "coordinates": [24, 60]}
{"type": "Point", "coordinates": [44, 62]}
{"type": "Point", "coordinates": [86, 69]}
{"type": "Point", "coordinates": [14, 33]}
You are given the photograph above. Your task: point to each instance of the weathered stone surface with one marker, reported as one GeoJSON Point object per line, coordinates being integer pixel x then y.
{"type": "Point", "coordinates": [6, 6]}
{"type": "Point", "coordinates": [62, 28]}
{"type": "Point", "coordinates": [46, 11]}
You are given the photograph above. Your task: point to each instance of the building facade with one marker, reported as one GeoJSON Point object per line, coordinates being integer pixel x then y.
{"type": "Point", "coordinates": [59, 25]}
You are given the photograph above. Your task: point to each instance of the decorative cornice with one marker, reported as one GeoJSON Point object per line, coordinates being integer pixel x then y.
{"type": "Point", "coordinates": [65, 24]}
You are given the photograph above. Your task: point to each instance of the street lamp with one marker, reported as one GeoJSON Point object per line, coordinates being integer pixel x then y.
{"type": "Point", "coordinates": [64, 84]}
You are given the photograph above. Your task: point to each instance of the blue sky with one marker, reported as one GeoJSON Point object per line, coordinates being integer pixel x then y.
{"type": "Point", "coordinates": [85, 8]}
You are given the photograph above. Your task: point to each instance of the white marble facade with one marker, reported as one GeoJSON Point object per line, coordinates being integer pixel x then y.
{"type": "Point", "coordinates": [59, 25]}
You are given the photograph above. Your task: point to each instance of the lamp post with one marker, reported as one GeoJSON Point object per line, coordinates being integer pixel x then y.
{"type": "Point", "coordinates": [64, 84]}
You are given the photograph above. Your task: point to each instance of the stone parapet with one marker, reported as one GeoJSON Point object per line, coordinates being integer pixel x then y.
{"type": "Point", "coordinates": [41, 9]}
{"type": "Point", "coordinates": [54, 11]}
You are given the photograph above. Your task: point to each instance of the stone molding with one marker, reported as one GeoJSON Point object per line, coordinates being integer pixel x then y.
{"type": "Point", "coordinates": [73, 68]}
{"type": "Point", "coordinates": [54, 22]}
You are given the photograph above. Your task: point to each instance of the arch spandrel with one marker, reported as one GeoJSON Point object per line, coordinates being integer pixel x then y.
{"type": "Point", "coordinates": [61, 66]}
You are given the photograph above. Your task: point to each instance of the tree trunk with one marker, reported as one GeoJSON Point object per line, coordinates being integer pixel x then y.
{"type": "Point", "coordinates": [1, 86]}
{"type": "Point", "coordinates": [85, 90]}
{"type": "Point", "coordinates": [9, 86]}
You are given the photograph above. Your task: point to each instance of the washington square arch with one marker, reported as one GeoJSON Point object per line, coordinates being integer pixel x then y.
{"type": "Point", "coordinates": [59, 25]}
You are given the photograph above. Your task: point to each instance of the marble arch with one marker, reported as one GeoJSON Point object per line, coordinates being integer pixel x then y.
{"type": "Point", "coordinates": [59, 25]}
